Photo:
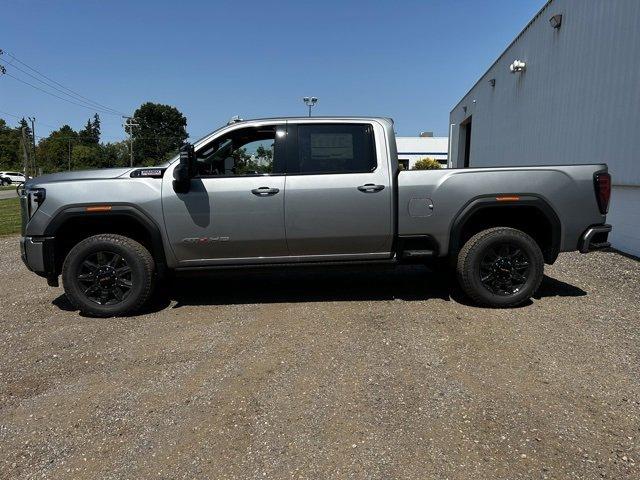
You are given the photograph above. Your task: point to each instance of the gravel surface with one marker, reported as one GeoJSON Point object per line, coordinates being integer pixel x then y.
{"type": "Point", "coordinates": [349, 373]}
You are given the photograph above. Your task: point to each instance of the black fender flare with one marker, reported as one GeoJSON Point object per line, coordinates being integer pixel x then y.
{"type": "Point", "coordinates": [519, 200]}
{"type": "Point", "coordinates": [114, 210]}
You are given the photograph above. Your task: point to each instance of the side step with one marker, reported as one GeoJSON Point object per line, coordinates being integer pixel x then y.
{"type": "Point", "coordinates": [417, 253]}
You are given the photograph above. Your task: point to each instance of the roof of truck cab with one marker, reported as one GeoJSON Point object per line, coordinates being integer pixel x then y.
{"type": "Point", "coordinates": [339, 117]}
{"type": "Point", "coordinates": [387, 120]}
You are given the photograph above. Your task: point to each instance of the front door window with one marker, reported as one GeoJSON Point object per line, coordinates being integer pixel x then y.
{"type": "Point", "coordinates": [246, 151]}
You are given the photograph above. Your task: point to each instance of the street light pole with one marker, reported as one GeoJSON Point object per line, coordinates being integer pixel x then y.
{"type": "Point", "coordinates": [310, 102]}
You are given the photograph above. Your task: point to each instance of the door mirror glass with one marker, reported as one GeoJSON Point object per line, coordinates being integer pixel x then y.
{"type": "Point", "coordinates": [184, 170]}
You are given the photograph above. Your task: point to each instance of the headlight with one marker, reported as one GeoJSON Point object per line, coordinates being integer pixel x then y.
{"type": "Point", "coordinates": [34, 198]}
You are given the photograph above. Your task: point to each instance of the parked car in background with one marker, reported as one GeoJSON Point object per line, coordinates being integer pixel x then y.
{"type": "Point", "coordinates": [305, 191]}
{"type": "Point", "coordinates": [8, 178]}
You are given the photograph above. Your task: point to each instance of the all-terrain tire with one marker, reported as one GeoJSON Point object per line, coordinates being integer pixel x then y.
{"type": "Point", "coordinates": [131, 254]}
{"type": "Point", "coordinates": [475, 251]}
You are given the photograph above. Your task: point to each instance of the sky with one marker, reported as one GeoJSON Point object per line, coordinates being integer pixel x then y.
{"type": "Point", "coordinates": [409, 60]}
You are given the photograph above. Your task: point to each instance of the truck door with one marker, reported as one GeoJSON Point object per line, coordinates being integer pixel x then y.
{"type": "Point", "coordinates": [234, 211]}
{"type": "Point", "coordinates": [339, 198]}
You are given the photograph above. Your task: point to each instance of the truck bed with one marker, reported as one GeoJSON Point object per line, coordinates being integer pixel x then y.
{"type": "Point", "coordinates": [568, 190]}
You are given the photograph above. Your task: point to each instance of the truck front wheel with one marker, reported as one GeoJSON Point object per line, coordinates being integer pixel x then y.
{"type": "Point", "coordinates": [108, 275]}
{"type": "Point", "coordinates": [500, 267]}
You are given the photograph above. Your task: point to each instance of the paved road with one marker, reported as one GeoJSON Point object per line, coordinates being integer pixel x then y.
{"type": "Point", "coordinates": [354, 373]}
{"type": "Point", "coordinates": [7, 193]}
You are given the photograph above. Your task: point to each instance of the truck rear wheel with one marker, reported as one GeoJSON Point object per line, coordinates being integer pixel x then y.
{"type": "Point", "coordinates": [500, 267]}
{"type": "Point", "coordinates": [108, 275]}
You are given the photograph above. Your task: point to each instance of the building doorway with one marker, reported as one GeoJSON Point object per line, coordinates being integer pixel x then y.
{"type": "Point", "coordinates": [464, 145]}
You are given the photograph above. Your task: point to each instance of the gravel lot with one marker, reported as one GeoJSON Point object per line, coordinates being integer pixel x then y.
{"type": "Point", "coordinates": [350, 373]}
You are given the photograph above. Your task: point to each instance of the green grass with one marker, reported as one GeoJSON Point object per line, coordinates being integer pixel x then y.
{"type": "Point", "coordinates": [10, 216]}
{"type": "Point", "coordinates": [8, 187]}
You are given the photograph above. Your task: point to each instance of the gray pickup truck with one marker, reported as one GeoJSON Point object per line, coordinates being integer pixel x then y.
{"type": "Point", "coordinates": [305, 191]}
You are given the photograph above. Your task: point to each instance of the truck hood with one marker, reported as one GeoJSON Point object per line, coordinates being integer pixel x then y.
{"type": "Point", "coordinates": [101, 174]}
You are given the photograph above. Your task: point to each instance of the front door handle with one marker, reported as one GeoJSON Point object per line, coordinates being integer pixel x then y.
{"type": "Point", "coordinates": [265, 191]}
{"type": "Point", "coordinates": [370, 188]}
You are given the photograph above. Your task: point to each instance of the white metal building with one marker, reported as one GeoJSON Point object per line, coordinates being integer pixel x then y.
{"type": "Point", "coordinates": [412, 149]}
{"type": "Point", "coordinates": [574, 97]}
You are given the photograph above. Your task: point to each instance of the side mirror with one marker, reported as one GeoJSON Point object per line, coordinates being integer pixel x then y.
{"type": "Point", "coordinates": [184, 170]}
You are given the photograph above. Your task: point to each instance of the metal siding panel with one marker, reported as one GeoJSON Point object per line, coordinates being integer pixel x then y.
{"type": "Point", "coordinates": [577, 102]}
{"type": "Point", "coordinates": [625, 216]}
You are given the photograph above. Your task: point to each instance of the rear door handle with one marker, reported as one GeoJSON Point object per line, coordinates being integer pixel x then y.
{"type": "Point", "coordinates": [265, 191]}
{"type": "Point", "coordinates": [370, 188]}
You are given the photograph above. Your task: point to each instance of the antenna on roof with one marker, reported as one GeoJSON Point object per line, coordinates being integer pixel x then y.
{"type": "Point", "coordinates": [234, 119]}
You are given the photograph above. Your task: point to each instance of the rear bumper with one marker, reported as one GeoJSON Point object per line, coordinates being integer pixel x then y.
{"type": "Point", "coordinates": [594, 238]}
{"type": "Point", "coordinates": [38, 254]}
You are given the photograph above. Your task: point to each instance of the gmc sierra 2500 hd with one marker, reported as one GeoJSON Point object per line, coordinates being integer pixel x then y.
{"type": "Point", "coordinates": [301, 191]}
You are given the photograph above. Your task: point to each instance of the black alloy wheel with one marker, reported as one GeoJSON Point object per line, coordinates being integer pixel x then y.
{"type": "Point", "coordinates": [106, 277]}
{"type": "Point", "coordinates": [504, 268]}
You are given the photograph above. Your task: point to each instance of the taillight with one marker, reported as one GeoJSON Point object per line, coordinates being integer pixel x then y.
{"type": "Point", "coordinates": [602, 184]}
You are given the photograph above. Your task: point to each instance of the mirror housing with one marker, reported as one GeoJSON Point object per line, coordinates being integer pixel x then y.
{"type": "Point", "coordinates": [184, 170]}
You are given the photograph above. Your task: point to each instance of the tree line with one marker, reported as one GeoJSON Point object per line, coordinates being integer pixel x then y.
{"type": "Point", "coordinates": [160, 131]}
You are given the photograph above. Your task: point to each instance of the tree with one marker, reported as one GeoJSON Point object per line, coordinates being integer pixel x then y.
{"type": "Point", "coordinates": [87, 157]}
{"type": "Point", "coordinates": [160, 132]}
{"type": "Point", "coordinates": [426, 164]}
{"type": "Point", "coordinates": [264, 154]}
{"type": "Point", "coordinates": [115, 154]}
{"type": "Point", "coordinates": [95, 125]}
{"type": "Point", "coordinates": [10, 155]}
{"type": "Point", "coordinates": [90, 134]}
{"type": "Point", "coordinates": [24, 124]}
{"type": "Point", "coordinates": [53, 151]}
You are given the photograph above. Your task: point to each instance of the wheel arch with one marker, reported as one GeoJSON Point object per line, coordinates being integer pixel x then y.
{"type": "Point", "coordinates": [75, 223]}
{"type": "Point", "coordinates": [527, 212]}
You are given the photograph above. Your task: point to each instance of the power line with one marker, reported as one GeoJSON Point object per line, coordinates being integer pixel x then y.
{"type": "Point", "coordinates": [20, 117]}
{"type": "Point", "coordinates": [60, 85]}
{"type": "Point", "coordinates": [104, 112]}
{"type": "Point", "coordinates": [12, 114]}
{"type": "Point", "coordinates": [60, 90]}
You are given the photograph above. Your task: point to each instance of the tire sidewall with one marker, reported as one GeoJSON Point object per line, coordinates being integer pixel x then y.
{"type": "Point", "coordinates": [534, 278]}
{"type": "Point", "coordinates": [73, 263]}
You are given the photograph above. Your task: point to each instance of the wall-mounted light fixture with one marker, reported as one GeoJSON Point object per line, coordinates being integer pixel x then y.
{"type": "Point", "coordinates": [556, 21]}
{"type": "Point", "coordinates": [517, 66]}
{"type": "Point", "coordinates": [492, 82]}
{"type": "Point", "coordinates": [464, 109]}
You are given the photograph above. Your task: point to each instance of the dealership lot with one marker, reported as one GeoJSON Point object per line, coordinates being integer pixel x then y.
{"type": "Point", "coordinates": [348, 373]}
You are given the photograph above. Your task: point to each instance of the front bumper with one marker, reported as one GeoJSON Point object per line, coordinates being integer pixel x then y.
{"type": "Point", "coordinates": [594, 238]}
{"type": "Point", "coordinates": [38, 254]}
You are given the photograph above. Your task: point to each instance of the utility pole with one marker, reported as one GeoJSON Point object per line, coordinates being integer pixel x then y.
{"type": "Point", "coordinates": [128, 127]}
{"type": "Point", "coordinates": [33, 134]}
{"type": "Point", "coordinates": [25, 151]}
{"type": "Point", "coordinates": [69, 145]}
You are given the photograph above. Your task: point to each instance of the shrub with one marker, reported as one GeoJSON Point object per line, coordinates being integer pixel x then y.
{"type": "Point", "coordinates": [426, 164]}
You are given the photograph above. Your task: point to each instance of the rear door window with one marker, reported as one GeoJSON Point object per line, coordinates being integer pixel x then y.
{"type": "Point", "coordinates": [334, 148]}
